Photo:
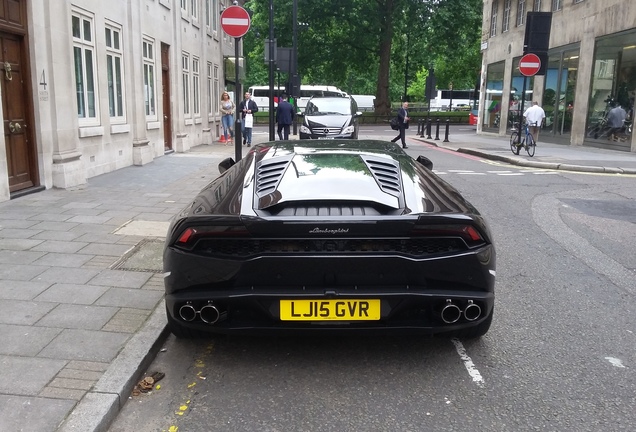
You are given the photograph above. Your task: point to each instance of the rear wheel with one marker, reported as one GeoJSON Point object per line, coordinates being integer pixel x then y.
{"type": "Point", "coordinates": [531, 146]}
{"type": "Point", "coordinates": [514, 142]}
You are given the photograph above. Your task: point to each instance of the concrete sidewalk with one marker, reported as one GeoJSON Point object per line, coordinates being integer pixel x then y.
{"type": "Point", "coordinates": [547, 155]}
{"type": "Point", "coordinates": [81, 309]}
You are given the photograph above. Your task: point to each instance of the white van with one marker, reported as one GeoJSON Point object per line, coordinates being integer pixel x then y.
{"type": "Point", "coordinates": [307, 91]}
{"type": "Point", "coordinates": [365, 102]}
{"type": "Point", "coordinates": [260, 95]}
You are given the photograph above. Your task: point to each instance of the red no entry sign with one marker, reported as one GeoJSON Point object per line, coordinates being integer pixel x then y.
{"type": "Point", "coordinates": [235, 21]}
{"type": "Point", "coordinates": [529, 64]}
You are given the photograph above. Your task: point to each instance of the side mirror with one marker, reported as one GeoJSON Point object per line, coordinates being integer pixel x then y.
{"type": "Point", "coordinates": [226, 164]}
{"type": "Point", "coordinates": [426, 162]}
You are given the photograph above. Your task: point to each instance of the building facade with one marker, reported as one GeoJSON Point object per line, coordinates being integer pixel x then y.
{"type": "Point", "coordinates": [591, 67]}
{"type": "Point", "coordinates": [89, 87]}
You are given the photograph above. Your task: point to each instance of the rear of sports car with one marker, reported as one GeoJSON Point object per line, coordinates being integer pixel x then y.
{"type": "Point", "coordinates": [302, 239]}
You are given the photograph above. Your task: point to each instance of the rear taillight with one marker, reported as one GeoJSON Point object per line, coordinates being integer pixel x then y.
{"type": "Point", "coordinates": [190, 235]}
{"type": "Point", "coordinates": [468, 233]}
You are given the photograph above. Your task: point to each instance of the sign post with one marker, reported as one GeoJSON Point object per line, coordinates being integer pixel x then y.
{"type": "Point", "coordinates": [235, 21]}
{"type": "Point", "coordinates": [529, 65]}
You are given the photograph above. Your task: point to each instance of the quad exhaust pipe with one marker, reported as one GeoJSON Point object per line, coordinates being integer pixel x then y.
{"type": "Point", "coordinates": [451, 312]}
{"type": "Point", "coordinates": [209, 313]}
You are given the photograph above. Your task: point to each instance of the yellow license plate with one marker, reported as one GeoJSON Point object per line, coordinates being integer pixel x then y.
{"type": "Point", "coordinates": [330, 310]}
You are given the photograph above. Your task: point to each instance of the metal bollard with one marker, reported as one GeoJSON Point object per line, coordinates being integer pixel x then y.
{"type": "Point", "coordinates": [447, 126]}
{"type": "Point", "coordinates": [428, 129]}
{"type": "Point", "coordinates": [437, 129]}
{"type": "Point", "coordinates": [420, 127]}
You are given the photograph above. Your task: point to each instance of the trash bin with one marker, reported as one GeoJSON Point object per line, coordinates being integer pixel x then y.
{"type": "Point", "coordinates": [472, 117]}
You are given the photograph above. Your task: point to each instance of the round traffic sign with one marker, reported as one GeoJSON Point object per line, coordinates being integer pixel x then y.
{"type": "Point", "coordinates": [235, 21]}
{"type": "Point", "coordinates": [529, 64]}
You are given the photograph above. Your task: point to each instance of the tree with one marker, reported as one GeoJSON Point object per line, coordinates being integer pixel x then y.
{"type": "Point", "coordinates": [362, 45]}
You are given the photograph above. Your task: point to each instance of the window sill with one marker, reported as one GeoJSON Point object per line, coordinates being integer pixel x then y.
{"type": "Point", "coordinates": [189, 122]}
{"type": "Point", "coordinates": [91, 131]}
{"type": "Point", "coordinates": [153, 125]}
{"type": "Point", "coordinates": [119, 128]}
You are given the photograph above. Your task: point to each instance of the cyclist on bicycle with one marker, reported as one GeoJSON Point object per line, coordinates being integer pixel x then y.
{"type": "Point", "coordinates": [534, 119]}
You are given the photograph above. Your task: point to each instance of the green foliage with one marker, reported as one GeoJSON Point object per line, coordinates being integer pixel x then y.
{"type": "Point", "coordinates": [346, 43]}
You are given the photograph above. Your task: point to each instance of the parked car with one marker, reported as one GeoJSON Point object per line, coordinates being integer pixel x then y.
{"type": "Point", "coordinates": [330, 118]}
{"type": "Point", "coordinates": [338, 235]}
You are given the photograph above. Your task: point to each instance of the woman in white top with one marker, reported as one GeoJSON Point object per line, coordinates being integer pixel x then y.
{"type": "Point", "coordinates": [227, 108]}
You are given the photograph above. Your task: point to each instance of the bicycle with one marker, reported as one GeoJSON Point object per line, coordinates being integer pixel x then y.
{"type": "Point", "coordinates": [527, 141]}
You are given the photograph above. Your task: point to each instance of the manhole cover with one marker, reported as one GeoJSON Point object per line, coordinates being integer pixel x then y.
{"type": "Point", "coordinates": [147, 255]}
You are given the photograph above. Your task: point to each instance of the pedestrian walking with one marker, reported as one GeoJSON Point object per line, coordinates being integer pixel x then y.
{"type": "Point", "coordinates": [284, 117]}
{"type": "Point", "coordinates": [403, 124]}
{"type": "Point", "coordinates": [247, 107]}
{"type": "Point", "coordinates": [534, 119]}
{"type": "Point", "coordinates": [227, 109]}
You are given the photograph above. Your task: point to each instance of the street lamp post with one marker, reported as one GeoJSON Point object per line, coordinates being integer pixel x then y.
{"type": "Point", "coordinates": [271, 70]}
{"type": "Point", "coordinates": [294, 68]}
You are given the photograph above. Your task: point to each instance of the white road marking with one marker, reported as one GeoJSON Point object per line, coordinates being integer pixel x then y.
{"type": "Point", "coordinates": [471, 173]}
{"type": "Point", "coordinates": [511, 174]}
{"type": "Point", "coordinates": [615, 362]}
{"type": "Point", "coordinates": [461, 171]}
{"type": "Point", "coordinates": [468, 363]}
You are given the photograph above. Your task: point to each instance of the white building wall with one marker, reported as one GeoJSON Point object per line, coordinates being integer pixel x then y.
{"type": "Point", "coordinates": [70, 152]}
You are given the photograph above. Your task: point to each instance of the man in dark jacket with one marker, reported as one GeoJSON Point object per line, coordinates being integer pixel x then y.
{"type": "Point", "coordinates": [403, 123]}
{"type": "Point", "coordinates": [284, 117]}
{"type": "Point", "coordinates": [247, 106]}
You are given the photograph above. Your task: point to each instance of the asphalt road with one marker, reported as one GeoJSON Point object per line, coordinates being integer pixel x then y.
{"type": "Point", "coordinates": [560, 354]}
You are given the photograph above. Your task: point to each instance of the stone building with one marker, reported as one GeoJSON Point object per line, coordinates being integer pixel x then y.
{"type": "Point", "coordinates": [591, 65]}
{"type": "Point", "coordinates": [89, 87]}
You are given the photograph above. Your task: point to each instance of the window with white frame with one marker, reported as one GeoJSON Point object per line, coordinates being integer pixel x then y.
{"type": "Point", "coordinates": [196, 90]}
{"type": "Point", "coordinates": [185, 82]}
{"type": "Point", "coordinates": [115, 72]}
{"type": "Point", "coordinates": [578, 1]}
{"type": "Point", "coordinates": [208, 16]}
{"type": "Point", "coordinates": [217, 90]}
{"type": "Point", "coordinates": [556, 5]}
{"type": "Point", "coordinates": [194, 9]}
{"type": "Point", "coordinates": [149, 77]}
{"type": "Point", "coordinates": [209, 93]}
{"type": "Point", "coordinates": [537, 6]}
{"type": "Point", "coordinates": [493, 18]}
{"type": "Point", "coordinates": [506, 16]}
{"type": "Point", "coordinates": [521, 13]}
{"type": "Point", "coordinates": [184, 5]}
{"type": "Point", "coordinates": [216, 15]}
{"type": "Point", "coordinates": [85, 73]}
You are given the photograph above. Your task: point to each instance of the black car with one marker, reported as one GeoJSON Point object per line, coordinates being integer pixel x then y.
{"type": "Point", "coordinates": [330, 118]}
{"type": "Point", "coordinates": [337, 235]}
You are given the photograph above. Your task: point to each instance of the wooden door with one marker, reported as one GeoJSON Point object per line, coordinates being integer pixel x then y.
{"type": "Point", "coordinates": [16, 113]}
{"type": "Point", "coordinates": [165, 92]}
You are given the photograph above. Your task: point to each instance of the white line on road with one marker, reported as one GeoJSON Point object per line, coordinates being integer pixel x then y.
{"type": "Point", "coordinates": [468, 363]}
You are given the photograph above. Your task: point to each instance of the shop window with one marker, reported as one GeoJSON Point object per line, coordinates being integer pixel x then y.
{"type": "Point", "coordinates": [491, 113]}
{"type": "Point", "coordinates": [613, 83]}
{"type": "Point", "coordinates": [560, 90]}
{"type": "Point", "coordinates": [515, 108]}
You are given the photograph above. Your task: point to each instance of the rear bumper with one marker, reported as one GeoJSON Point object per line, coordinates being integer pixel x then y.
{"type": "Point", "coordinates": [247, 311]}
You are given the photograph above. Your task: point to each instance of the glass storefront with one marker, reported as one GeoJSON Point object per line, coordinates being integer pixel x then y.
{"type": "Point", "coordinates": [560, 88]}
{"type": "Point", "coordinates": [613, 84]}
{"type": "Point", "coordinates": [491, 111]}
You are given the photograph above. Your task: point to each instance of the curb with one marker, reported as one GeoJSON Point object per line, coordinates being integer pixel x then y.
{"type": "Point", "coordinates": [100, 406]}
